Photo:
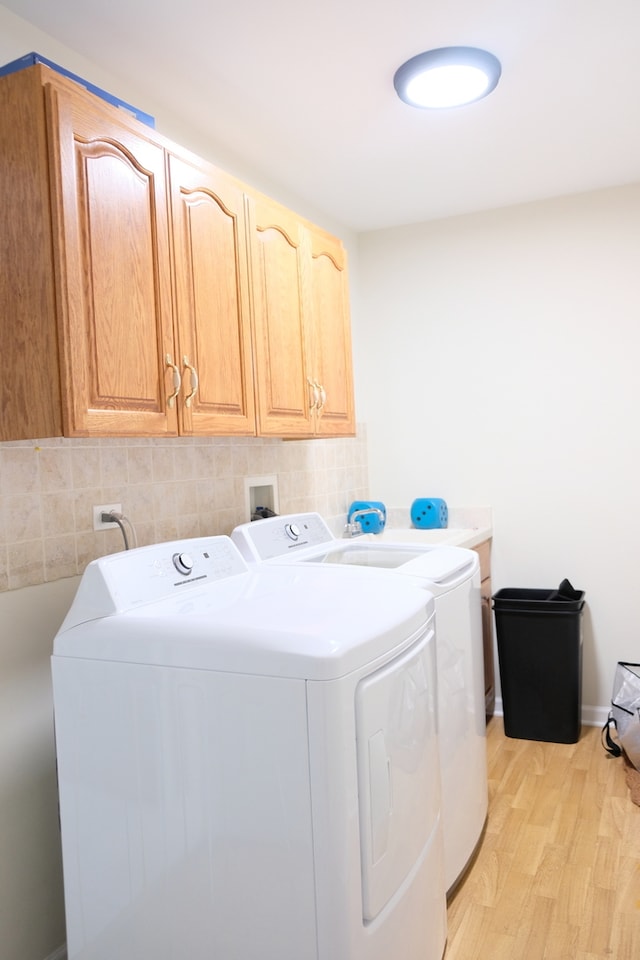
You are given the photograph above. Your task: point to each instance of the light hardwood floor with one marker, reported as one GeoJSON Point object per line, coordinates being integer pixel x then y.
{"type": "Point", "coordinates": [557, 876]}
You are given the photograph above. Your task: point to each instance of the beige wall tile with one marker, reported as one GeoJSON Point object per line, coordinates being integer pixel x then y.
{"type": "Point", "coordinates": [181, 487]}
{"type": "Point", "coordinates": [185, 462]}
{"type": "Point", "coordinates": [164, 501]}
{"type": "Point", "coordinates": [4, 573]}
{"type": "Point", "coordinates": [20, 470]}
{"type": "Point", "coordinates": [55, 469]}
{"type": "Point", "coordinates": [89, 546]}
{"type": "Point", "coordinates": [85, 466]}
{"type": "Point", "coordinates": [84, 501]}
{"type": "Point", "coordinates": [163, 465]}
{"type": "Point", "coordinates": [139, 464]}
{"type": "Point", "coordinates": [166, 529]}
{"type": "Point", "coordinates": [145, 533]}
{"type": "Point", "coordinates": [25, 564]}
{"type": "Point", "coordinates": [58, 513]}
{"type": "Point", "coordinates": [137, 503]}
{"type": "Point", "coordinates": [22, 517]}
{"type": "Point", "coordinates": [189, 525]}
{"type": "Point", "coordinates": [60, 557]}
{"type": "Point", "coordinates": [113, 466]}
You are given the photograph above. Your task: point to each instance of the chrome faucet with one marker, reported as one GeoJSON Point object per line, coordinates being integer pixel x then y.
{"type": "Point", "coordinates": [354, 526]}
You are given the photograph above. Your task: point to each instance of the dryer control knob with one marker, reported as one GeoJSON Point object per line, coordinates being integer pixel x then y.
{"type": "Point", "coordinates": [183, 563]}
{"type": "Point", "coordinates": [292, 531]}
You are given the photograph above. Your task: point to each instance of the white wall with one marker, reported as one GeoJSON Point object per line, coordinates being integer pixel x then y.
{"type": "Point", "coordinates": [31, 898]}
{"type": "Point", "coordinates": [502, 356]}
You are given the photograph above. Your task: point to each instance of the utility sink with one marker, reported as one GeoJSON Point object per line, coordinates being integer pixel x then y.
{"type": "Point", "coordinates": [452, 536]}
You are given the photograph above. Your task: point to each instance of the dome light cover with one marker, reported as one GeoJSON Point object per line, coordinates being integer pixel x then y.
{"type": "Point", "coordinates": [447, 77]}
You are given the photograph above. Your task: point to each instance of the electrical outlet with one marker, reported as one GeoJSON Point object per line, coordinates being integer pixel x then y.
{"type": "Point", "coordinates": [98, 523]}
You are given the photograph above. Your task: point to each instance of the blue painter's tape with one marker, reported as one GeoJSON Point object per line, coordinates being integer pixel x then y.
{"type": "Point", "coordinates": [29, 59]}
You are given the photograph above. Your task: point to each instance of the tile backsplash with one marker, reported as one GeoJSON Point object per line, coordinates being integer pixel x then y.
{"type": "Point", "coordinates": [169, 488]}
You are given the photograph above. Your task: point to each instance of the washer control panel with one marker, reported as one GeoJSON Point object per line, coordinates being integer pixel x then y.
{"type": "Point", "coordinates": [278, 536]}
{"type": "Point", "coordinates": [123, 581]}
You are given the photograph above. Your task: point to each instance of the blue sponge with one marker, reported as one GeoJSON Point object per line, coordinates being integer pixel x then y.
{"type": "Point", "coordinates": [429, 513]}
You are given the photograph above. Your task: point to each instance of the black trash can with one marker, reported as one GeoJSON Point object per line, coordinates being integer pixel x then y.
{"type": "Point", "coordinates": [539, 637]}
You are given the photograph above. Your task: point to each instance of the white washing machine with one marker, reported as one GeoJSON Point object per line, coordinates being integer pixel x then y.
{"type": "Point", "coordinates": [452, 575]}
{"type": "Point", "coordinates": [247, 761]}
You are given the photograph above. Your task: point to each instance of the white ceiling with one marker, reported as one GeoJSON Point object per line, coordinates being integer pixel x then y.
{"type": "Point", "coordinates": [304, 92]}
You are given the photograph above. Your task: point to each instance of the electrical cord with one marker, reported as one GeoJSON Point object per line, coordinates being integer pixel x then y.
{"type": "Point", "coordinates": [114, 517]}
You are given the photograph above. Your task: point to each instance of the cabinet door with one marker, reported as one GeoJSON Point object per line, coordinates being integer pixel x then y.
{"type": "Point", "coordinates": [111, 247]}
{"type": "Point", "coordinates": [284, 397]}
{"type": "Point", "coordinates": [212, 300]}
{"type": "Point", "coordinates": [484, 553]}
{"type": "Point", "coordinates": [29, 378]}
{"type": "Point", "coordinates": [330, 335]}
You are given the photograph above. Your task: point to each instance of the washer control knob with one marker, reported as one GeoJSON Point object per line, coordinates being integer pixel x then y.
{"type": "Point", "coordinates": [183, 563]}
{"type": "Point", "coordinates": [292, 530]}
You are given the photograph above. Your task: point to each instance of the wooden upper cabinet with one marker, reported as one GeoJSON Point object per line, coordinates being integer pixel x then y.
{"type": "Point", "coordinates": [112, 260]}
{"type": "Point", "coordinates": [85, 294]}
{"type": "Point", "coordinates": [143, 292]}
{"type": "Point", "coordinates": [29, 375]}
{"type": "Point", "coordinates": [280, 303]}
{"type": "Point", "coordinates": [213, 327]}
{"type": "Point", "coordinates": [330, 335]}
{"type": "Point", "coordinates": [302, 328]}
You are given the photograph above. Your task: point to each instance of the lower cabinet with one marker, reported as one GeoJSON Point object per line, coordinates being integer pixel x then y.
{"type": "Point", "coordinates": [484, 553]}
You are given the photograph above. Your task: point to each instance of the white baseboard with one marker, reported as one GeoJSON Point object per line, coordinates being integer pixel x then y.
{"type": "Point", "coordinates": [59, 954]}
{"type": "Point", "coordinates": [595, 716]}
{"type": "Point", "coordinates": [591, 716]}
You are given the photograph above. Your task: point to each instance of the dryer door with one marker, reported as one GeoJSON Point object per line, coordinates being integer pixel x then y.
{"type": "Point", "coordinates": [398, 770]}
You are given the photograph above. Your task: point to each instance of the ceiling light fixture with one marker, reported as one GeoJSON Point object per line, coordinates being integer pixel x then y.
{"type": "Point", "coordinates": [447, 77]}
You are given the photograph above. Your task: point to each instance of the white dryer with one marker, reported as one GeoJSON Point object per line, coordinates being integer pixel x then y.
{"type": "Point", "coordinates": [452, 575]}
{"type": "Point", "coordinates": [248, 762]}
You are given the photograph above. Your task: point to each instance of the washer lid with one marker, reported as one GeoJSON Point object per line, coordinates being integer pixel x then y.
{"type": "Point", "coordinates": [437, 564]}
{"type": "Point", "coordinates": [288, 620]}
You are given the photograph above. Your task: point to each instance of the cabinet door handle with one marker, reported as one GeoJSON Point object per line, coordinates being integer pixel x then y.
{"type": "Point", "coordinates": [323, 396]}
{"type": "Point", "coordinates": [194, 382]}
{"type": "Point", "coordinates": [177, 381]}
{"type": "Point", "coordinates": [316, 397]}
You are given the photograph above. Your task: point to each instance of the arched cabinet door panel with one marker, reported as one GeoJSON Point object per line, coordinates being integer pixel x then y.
{"type": "Point", "coordinates": [280, 305]}
{"type": "Point", "coordinates": [330, 334]}
{"type": "Point", "coordinates": [302, 336]}
{"type": "Point", "coordinates": [212, 300]}
{"type": "Point", "coordinates": [111, 232]}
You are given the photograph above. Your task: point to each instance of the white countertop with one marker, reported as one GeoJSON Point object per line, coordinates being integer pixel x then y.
{"type": "Point", "coordinates": [468, 526]}
{"type": "Point", "coordinates": [451, 536]}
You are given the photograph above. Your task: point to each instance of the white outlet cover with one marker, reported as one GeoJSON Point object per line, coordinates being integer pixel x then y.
{"type": "Point", "coordinates": [98, 523]}
{"type": "Point", "coordinates": [268, 488]}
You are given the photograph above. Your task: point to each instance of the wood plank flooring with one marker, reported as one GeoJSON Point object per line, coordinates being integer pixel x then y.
{"type": "Point", "coordinates": [557, 876]}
